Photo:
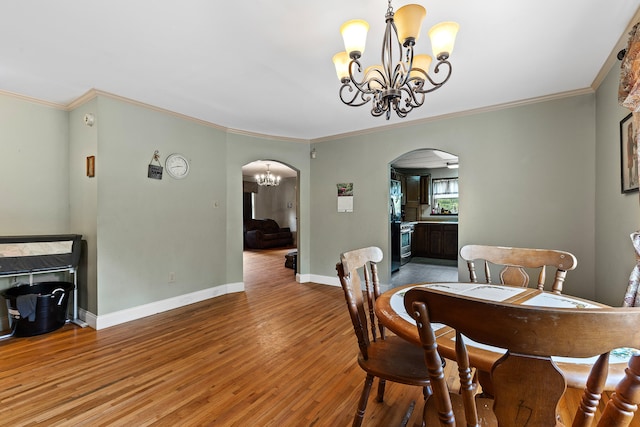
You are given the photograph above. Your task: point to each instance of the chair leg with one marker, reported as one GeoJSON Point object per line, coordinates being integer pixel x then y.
{"type": "Point", "coordinates": [424, 415]}
{"type": "Point", "coordinates": [381, 384]}
{"type": "Point", "coordinates": [364, 397]}
{"type": "Point", "coordinates": [426, 392]}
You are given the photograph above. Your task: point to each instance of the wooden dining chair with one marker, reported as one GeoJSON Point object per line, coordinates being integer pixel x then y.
{"type": "Point", "coordinates": [527, 384]}
{"type": "Point", "coordinates": [515, 261]}
{"type": "Point", "coordinates": [389, 358]}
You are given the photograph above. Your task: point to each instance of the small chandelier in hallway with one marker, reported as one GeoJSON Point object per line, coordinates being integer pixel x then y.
{"type": "Point", "coordinates": [268, 180]}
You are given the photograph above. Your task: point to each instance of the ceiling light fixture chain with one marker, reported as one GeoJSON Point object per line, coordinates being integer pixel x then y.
{"type": "Point", "coordinates": [393, 85]}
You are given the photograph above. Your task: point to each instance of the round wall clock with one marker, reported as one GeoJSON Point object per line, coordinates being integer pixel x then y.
{"type": "Point", "coordinates": [177, 166]}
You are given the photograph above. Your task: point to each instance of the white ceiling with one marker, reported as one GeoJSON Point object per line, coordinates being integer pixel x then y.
{"type": "Point", "coordinates": [265, 66]}
{"type": "Point", "coordinates": [259, 167]}
{"type": "Point", "coordinates": [424, 159]}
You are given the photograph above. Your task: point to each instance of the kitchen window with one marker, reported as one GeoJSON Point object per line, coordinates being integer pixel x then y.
{"type": "Point", "coordinates": [445, 196]}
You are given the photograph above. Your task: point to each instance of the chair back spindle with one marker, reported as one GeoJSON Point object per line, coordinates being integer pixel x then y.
{"type": "Point", "coordinates": [516, 261]}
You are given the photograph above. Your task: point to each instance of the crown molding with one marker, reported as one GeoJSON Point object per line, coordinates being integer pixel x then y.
{"type": "Point", "coordinates": [93, 93]}
{"type": "Point", "coordinates": [32, 100]}
{"type": "Point", "coordinates": [82, 99]}
{"type": "Point", "coordinates": [270, 137]}
{"type": "Point", "coordinates": [474, 111]}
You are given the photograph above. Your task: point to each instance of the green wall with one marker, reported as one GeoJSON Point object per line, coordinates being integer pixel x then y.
{"type": "Point", "coordinates": [147, 229]}
{"type": "Point", "coordinates": [150, 228]}
{"type": "Point", "coordinates": [34, 148]}
{"type": "Point", "coordinates": [527, 179]}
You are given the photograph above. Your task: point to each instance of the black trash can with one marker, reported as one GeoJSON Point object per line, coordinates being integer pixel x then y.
{"type": "Point", "coordinates": [38, 308]}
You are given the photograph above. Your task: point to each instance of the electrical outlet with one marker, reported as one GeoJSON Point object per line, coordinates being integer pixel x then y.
{"type": "Point", "coordinates": [172, 277]}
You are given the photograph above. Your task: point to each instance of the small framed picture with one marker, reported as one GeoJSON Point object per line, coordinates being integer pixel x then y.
{"type": "Point", "coordinates": [91, 166]}
{"type": "Point", "coordinates": [628, 155]}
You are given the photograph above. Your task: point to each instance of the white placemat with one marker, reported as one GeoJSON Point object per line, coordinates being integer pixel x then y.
{"type": "Point", "coordinates": [558, 301]}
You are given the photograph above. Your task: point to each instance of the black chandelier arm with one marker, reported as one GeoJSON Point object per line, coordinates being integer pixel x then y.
{"type": "Point", "coordinates": [379, 106]}
{"type": "Point", "coordinates": [384, 105]}
{"type": "Point", "coordinates": [400, 111]}
{"type": "Point", "coordinates": [400, 77]}
{"type": "Point", "coordinates": [401, 73]}
{"type": "Point", "coordinates": [435, 85]}
{"type": "Point", "coordinates": [349, 96]}
{"type": "Point", "coordinates": [407, 101]}
{"type": "Point", "coordinates": [412, 97]}
{"type": "Point", "coordinates": [375, 75]}
{"type": "Point", "coordinates": [377, 110]}
{"type": "Point", "coordinates": [361, 86]}
{"type": "Point", "coordinates": [356, 93]}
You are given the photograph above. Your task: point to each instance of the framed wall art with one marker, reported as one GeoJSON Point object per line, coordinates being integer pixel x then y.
{"type": "Point", "coordinates": [91, 166]}
{"type": "Point", "coordinates": [628, 155]}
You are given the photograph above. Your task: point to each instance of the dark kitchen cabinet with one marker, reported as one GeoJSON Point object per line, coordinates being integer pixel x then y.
{"type": "Point", "coordinates": [412, 198]}
{"type": "Point", "coordinates": [413, 189]}
{"type": "Point", "coordinates": [450, 241]}
{"type": "Point", "coordinates": [432, 240]}
{"type": "Point", "coordinates": [435, 240]}
{"type": "Point", "coordinates": [416, 192]}
{"type": "Point", "coordinates": [420, 238]}
{"type": "Point", "coordinates": [425, 189]}
{"type": "Point", "coordinates": [418, 187]}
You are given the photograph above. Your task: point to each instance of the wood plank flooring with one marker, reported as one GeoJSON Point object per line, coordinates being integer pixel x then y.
{"type": "Point", "coordinates": [279, 354]}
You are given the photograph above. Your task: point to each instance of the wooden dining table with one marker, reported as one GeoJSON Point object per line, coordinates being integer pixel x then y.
{"type": "Point", "coordinates": [389, 307]}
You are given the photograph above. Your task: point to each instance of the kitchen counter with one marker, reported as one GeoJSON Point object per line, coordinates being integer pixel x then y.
{"type": "Point", "coordinates": [432, 221]}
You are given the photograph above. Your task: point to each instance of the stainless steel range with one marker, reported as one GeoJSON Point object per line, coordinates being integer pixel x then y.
{"type": "Point", "coordinates": [406, 231]}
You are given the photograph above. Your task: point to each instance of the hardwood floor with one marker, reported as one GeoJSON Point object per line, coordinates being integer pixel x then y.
{"type": "Point", "coordinates": [279, 354]}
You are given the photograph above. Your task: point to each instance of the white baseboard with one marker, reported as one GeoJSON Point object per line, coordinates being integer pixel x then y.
{"type": "Point", "coordinates": [323, 280]}
{"type": "Point", "coordinates": [111, 319]}
{"type": "Point", "coordinates": [133, 313]}
{"type": "Point", "coordinates": [88, 317]}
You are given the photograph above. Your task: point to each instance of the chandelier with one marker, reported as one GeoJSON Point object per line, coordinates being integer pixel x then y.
{"type": "Point", "coordinates": [399, 84]}
{"type": "Point", "coordinates": [268, 180]}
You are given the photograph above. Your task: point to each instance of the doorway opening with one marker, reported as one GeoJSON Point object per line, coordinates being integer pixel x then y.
{"type": "Point", "coordinates": [424, 217]}
{"type": "Point", "coordinates": [270, 211]}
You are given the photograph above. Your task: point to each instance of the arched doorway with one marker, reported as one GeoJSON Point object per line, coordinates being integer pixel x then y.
{"type": "Point", "coordinates": [274, 205]}
{"type": "Point", "coordinates": [424, 217]}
